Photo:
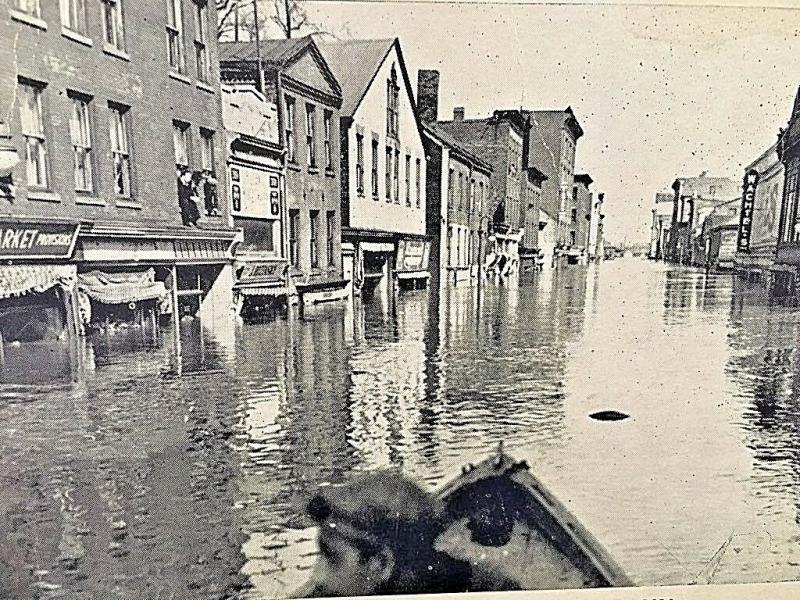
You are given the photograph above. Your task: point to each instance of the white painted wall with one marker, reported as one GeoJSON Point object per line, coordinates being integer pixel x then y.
{"type": "Point", "coordinates": [365, 212]}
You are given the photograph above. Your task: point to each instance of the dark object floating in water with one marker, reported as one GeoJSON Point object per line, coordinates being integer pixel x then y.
{"type": "Point", "coordinates": [609, 415]}
{"type": "Point", "coordinates": [515, 527]}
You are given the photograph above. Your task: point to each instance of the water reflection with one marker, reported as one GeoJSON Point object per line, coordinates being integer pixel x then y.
{"type": "Point", "coordinates": [163, 473]}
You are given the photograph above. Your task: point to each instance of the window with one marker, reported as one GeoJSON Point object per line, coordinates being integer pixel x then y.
{"type": "Point", "coordinates": [30, 7]}
{"type": "Point", "coordinates": [328, 153]}
{"type": "Point", "coordinates": [574, 215]}
{"type": "Point", "coordinates": [32, 120]}
{"type": "Point", "coordinates": [396, 176]}
{"type": "Point", "coordinates": [392, 102]}
{"type": "Point", "coordinates": [471, 199]}
{"type": "Point", "coordinates": [311, 117]}
{"type": "Point", "coordinates": [388, 173]}
{"type": "Point", "coordinates": [180, 138]}
{"type": "Point", "coordinates": [572, 238]}
{"type": "Point", "coordinates": [331, 237]}
{"type": "Point", "coordinates": [418, 183]}
{"type": "Point", "coordinates": [460, 191]}
{"type": "Point", "coordinates": [120, 151]}
{"type": "Point", "coordinates": [294, 229]}
{"type": "Point", "coordinates": [314, 218]}
{"type": "Point", "coordinates": [575, 194]}
{"type": "Point", "coordinates": [374, 169]}
{"type": "Point", "coordinates": [450, 188]}
{"type": "Point", "coordinates": [73, 15]}
{"type": "Point", "coordinates": [200, 39]}
{"type": "Point", "coordinates": [480, 197]}
{"type": "Point", "coordinates": [81, 137]}
{"type": "Point", "coordinates": [360, 164]}
{"type": "Point", "coordinates": [289, 130]}
{"type": "Point", "coordinates": [207, 150]}
{"type": "Point", "coordinates": [408, 180]}
{"type": "Point", "coordinates": [175, 46]}
{"type": "Point", "coordinates": [114, 32]}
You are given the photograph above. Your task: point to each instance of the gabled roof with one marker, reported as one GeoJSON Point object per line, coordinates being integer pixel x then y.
{"type": "Point", "coordinates": [460, 150]}
{"type": "Point", "coordinates": [355, 63]}
{"type": "Point", "coordinates": [276, 55]}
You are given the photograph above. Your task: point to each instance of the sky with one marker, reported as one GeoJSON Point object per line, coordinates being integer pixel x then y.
{"type": "Point", "coordinates": [660, 91]}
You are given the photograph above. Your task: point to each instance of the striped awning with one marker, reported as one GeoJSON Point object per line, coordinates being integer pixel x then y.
{"type": "Point", "coordinates": [18, 280]}
{"type": "Point", "coordinates": [121, 288]}
{"type": "Point", "coordinates": [262, 290]}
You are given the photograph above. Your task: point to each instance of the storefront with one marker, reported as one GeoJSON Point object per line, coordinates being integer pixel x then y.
{"type": "Point", "coordinates": [260, 290]}
{"type": "Point", "coordinates": [411, 265]}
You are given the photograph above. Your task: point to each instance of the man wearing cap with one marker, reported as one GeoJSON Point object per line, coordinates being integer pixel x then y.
{"type": "Point", "coordinates": [376, 536]}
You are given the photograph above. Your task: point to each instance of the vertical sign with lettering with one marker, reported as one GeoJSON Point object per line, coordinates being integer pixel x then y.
{"type": "Point", "coordinates": [746, 216]}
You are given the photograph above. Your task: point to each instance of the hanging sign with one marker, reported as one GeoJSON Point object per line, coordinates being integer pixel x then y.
{"type": "Point", "coordinates": [746, 216]}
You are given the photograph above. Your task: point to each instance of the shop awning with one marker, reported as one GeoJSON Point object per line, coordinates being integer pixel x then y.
{"type": "Point", "coordinates": [18, 280]}
{"type": "Point", "coordinates": [121, 288]}
{"type": "Point", "coordinates": [262, 290]}
{"type": "Point", "coordinates": [412, 274]}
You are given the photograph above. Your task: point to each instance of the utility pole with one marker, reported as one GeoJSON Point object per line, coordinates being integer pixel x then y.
{"type": "Point", "coordinates": [288, 19]}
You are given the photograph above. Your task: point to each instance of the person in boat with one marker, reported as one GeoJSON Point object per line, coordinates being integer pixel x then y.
{"type": "Point", "coordinates": [377, 535]}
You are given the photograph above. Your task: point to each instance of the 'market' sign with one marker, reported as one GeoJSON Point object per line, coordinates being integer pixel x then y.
{"type": "Point", "coordinates": [33, 239]}
{"type": "Point", "coordinates": [746, 216]}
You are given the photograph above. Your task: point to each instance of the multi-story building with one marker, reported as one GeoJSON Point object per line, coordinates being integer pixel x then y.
{"type": "Point", "coordinates": [662, 221]}
{"type": "Point", "coordinates": [760, 216]}
{"type": "Point", "coordinates": [113, 196]}
{"type": "Point", "coordinates": [554, 139]}
{"type": "Point", "coordinates": [458, 185]}
{"type": "Point", "coordinates": [694, 199]}
{"type": "Point", "coordinates": [580, 214]}
{"type": "Point", "coordinates": [256, 177]}
{"type": "Point", "coordinates": [596, 249]}
{"type": "Point", "coordinates": [787, 259]}
{"type": "Point", "coordinates": [383, 167]}
{"type": "Point", "coordinates": [530, 253]}
{"type": "Point", "coordinates": [718, 236]}
{"type": "Point", "coordinates": [297, 79]}
{"type": "Point", "coordinates": [498, 140]}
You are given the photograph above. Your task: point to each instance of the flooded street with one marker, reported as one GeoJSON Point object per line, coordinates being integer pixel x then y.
{"type": "Point", "coordinates": [160, 475]}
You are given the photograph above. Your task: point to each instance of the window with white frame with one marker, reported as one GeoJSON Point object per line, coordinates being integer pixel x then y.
{"type": "Point", "coordinates": [180, 139]}
{"type": "Point", "coordinates": [408, 180]}
{"type": "Point", "coordinates": [396, 177]}
{"type": "Point", "coordinates": [73, 15]}
{"type": "Point", "coordinates": [80, 131]}
{"type": "Point", "coordinates": [311, 134]}
{"type": "Point", "coordinates": [418, 183]}
{"type": "Point", "coordinates": [360, 164]}
{"type": "Point", "coordinates": [201, 39]}
{"type": "Point", "coordinates": [29, 7]}
{"type": "Point", "coordinates": [32, 120]}
{"type": "Point", "coordinates": [392, 105]}
{"type": "Point", "coordinates": [113, 24]}
{"type": "Point", "coordinates": [207, 150]}
{"type": "Point", "coordinates": [120, 150]}
{"type": "Point", "coordinates": [374, 169]}
{"type": "Point", "coordinates": [175, 41]}
{"type": "Point", "coordinates": [388, 178]}
{"type": "Point", "coordinates": [327, 123]}
{"type": "Point", "coordinates": [289, 130]}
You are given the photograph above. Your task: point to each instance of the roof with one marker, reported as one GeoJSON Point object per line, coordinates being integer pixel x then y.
{"type": "Point", "coordinates": [355, 64]}
{"type": "Point", "coordinates": [584, 178]}
{"type": "Point", "coordinates": [279, 51]}
{"type": "Point", "coordinates": [451, 142]}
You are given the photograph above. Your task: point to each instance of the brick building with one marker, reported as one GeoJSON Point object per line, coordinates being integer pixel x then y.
{"type": "Point", "coordinates": [579, 216]}
{"type": "Point", "coordinates": [788, 249]}
{"type": "Point", "coordinates": [106, 103]}
{"type": "Point", "coordinates": [299, 81]}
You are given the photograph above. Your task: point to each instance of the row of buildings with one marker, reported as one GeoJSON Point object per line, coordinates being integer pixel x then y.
{"type": "Point", "coordinates": [148, 169]}
{"type": "Point", "coordinates": [751, 225]}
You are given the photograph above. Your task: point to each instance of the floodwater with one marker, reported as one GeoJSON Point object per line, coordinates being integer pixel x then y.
{"type": "Point", "coordinates": [164, 475]}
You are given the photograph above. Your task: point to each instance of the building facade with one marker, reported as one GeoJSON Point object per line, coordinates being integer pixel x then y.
{"type": "Point", "coordinates": [383, 168]}
{"type": "Point", "coordinates": [553, 146]}
{"type": "Point", "coordinates": [257, 189]}
{"type": "Point", "coordinates": [718, 236]}
{"type": "Point", "coordinates": [596, 250]}
{"type": "Point", "coordinates": [498, 140]}
{"type": "Point", "coordinates": [758, 233]}
{"type": "Point", "coordinates": [113, 195]}
{"type": "Point", "coordinates": [579, 217]}
{"type": "Point", "coordinates": [662, 221]}
{"type": "Point", "coordinates": [694, 199]}
{"type": "Point", "coordinates": [297, 79]}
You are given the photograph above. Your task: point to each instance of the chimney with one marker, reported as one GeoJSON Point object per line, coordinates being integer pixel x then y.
{"type": "Point", "coordinates": [458, 113]}
{"type": "Point", "coordinates": [428, 95]}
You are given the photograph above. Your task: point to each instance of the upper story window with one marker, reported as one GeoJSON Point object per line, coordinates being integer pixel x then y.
{"type": "Point", "coordinates": [392, 105]}
{"type": "Point", "coordinates": [450, 185]}
{"type": "Point", "coordinates": [481, 191]}
{"type": "Point", "coordinates": [388, 181]}
{"type": "Point", "coordinates": [291, 144]}
{"type": "Point", "coordinates": [73, 15]}
{"type": "Point", "coordinates": [471, 202]}
{"type": "Point", "coordinates": [460, 191]}
{"type": "Point", "coordinates": [81, 136]}
{"type": "Point", "coordinates": [201, 39]}
{"type": "Point", "coordinates": [374, 169]}
{"type": "Point", "coordinates": [574, 216]}
{"type": "Point", "coordinates": [120, 149]}
{"type": "Point", "coordinates": [360, 164]}
{"type": "Point", "coordinates": [396, 176]}
{"type": "Point", "coordinates": [207, 183]}
{"type": "Point", "coordinates": [113, 24]}
{"type": "Point", "coordinates": [418, 183]}
{"type": "Point", "coordinates": [408, 180]}
{"type": "Point", "coordinates": [311, 134]}
{"type": "Point", "coordinates": [29, 7]}
{"type": "Point", "coordinates": [327, 122]}
{"type": "Point", "coordinates": [32, 120]}
{"type": "Point", "coordinates": [180, 140]}
{"type": "Point", "coordinates": [175, 41]}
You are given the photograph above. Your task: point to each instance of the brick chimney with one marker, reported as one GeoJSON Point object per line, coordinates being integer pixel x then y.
{"type": "Point", "coordinates": [428, 95]}
{"type": "Point", "coordinates": [458, 113]}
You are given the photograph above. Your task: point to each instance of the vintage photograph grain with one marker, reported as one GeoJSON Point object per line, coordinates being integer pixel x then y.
{"type": "Point", "coordinates": [320, 298]}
